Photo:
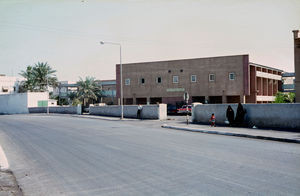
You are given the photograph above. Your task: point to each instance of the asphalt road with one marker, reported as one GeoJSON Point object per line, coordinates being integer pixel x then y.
{"type": "Point", "coordinates": [63, 155]}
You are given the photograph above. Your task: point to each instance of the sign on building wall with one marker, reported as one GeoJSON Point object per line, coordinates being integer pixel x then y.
{"type": "Point", "coordinates": [175, 89]}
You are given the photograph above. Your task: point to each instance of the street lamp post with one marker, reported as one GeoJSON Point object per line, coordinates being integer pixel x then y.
{"type": "Point", "coordinates": [48, 94]}
{"type": "Point", "coordinates": [113, 43]}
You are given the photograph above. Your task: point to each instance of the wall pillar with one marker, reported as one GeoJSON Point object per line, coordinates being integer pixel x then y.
{"type": "Point", "coordinates": [224, 99]}
{"type": "Point", "coordinates": [206, 99]}
{"type": "Point", "coordinates": [243, 98]}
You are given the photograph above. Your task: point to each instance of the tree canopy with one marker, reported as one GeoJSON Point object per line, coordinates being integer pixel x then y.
{"type": "Point", "coordinates": [37, 77]}
{"type": "Point", "coordinates": [88, 89]}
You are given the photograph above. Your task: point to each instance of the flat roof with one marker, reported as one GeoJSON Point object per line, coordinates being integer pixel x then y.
{"type": "Point", "coordinates": [185, 59]}
{"type": "Point", "coordinates": [250, 63]}
{"type": "Point", "coordinates": [263, 66]}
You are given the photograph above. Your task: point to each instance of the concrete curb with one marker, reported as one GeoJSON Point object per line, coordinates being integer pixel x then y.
{"type": "Point", "coordinates": [234, 134]}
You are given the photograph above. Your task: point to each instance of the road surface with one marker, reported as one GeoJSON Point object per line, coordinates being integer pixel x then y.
{"type": "Point", "coordinates": [64, 155]}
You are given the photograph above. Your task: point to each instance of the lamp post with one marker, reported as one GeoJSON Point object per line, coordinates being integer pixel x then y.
{"type": "Point", "coordinates": [48, 94]}
{"type": "Point", "coordinates": [113, 43]}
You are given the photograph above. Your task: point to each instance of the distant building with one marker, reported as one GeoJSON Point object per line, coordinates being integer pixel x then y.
{"type": "Point", "coordinates": [297, 64]}
{"type": "Point", "coordinates": [288, 82]}
{"type": "Point", "coordinates": [108, 92]}
{"type": "Point", "coordinates": [9, 84]}
{"type": "Point", "coordinates": [226, 79]}
{"type": "Point", "coordinates": [65, 88]}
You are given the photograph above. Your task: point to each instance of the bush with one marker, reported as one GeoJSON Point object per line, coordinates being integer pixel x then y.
{"type": "Point", "coordinates": [285, 97]}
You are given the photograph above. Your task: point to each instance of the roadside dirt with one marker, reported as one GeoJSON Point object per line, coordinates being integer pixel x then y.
{"type": "Point", "coordinates": [8, 184]}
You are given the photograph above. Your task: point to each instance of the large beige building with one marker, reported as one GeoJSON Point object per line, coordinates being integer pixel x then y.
{"type": "Point", "coordinates": [297, 64]}
{"type": "Point", "coordinates": [226, 79]}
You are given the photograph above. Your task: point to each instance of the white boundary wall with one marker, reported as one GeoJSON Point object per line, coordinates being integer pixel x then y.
{"type": "Point", "coordinates": [13, 103]}
{"type": "Point", "coordinates": [34, 97]}
{"type": "Point", "coordinates": [130, 111]}
{"type": "Point", "coordinates": [57, 109]}
{"type": "Point", "coordinates": [18, 103]}
{"type": "Point", "coordinates": [261, 115]}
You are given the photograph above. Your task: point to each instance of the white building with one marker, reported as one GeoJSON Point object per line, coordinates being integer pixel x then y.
{"type": "Point", "coordinates": [9, 84]}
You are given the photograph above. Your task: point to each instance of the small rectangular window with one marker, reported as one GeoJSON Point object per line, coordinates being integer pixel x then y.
{"type": "Point", "coordinates": [231, 76]}
{"type": "Point", "coordinates": [193, 78]}
{"type": "Point", "coordinates": [142, 80]}
{"type": "Point", "coordinates": [211, 77]}
{"type": "Point", "coordinates": [175, 79]}
{"type": "Point", "coordinates": [158, 80]}
{"type": "Point", "coordinates": [127, 81]}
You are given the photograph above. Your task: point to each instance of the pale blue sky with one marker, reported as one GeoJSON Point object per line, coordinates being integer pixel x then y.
{"type": "Point", "coordinates": [66, 33]}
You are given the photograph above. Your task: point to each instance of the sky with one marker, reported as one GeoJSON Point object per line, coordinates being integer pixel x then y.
{"type": "Point", "coordinates": [67, 33]}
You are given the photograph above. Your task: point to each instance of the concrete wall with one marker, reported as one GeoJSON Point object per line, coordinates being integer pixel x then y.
{"type": "Point", "coordinates": [57, 109]}
{"type": "Point", "coordinates": [130, 111]}
{"type": "Point", "coordinates": [261, 115]}
{"type": "Point", "coordinates": [13, 103]}
{"type": "Point", "coordinates": [34, 97]}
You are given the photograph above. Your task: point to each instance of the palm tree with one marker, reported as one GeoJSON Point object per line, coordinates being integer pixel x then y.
{"type": "Point", "coordinates": [37, 77]}
{"type": "Point", "coordinates": [29, 84]}
{"type": "Point", "coordinates": [44, 75]}
{"type": "Point", "coordinates": [88, 90]}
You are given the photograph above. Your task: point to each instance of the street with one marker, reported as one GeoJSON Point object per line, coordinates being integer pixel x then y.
{"type": "Point", "coordinates": [65, 155]}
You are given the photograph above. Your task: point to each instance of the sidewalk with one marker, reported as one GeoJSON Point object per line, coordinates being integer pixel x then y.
{"type": "Point", "coordinates": [180, 124]}
{"type": "Point", "coordinates": [281, 136]}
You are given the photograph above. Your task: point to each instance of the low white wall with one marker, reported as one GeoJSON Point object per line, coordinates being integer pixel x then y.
{"type": "Point", "coordinates": [35, 97]}
{"type": "Point", "coordinates": [130, 111]}
{"type": "Point", "coordinates": [13, 103]}
{"type": "Point", "coordinates": [261, 115]}
{"type": "Point", "coordinates": [55, 109]}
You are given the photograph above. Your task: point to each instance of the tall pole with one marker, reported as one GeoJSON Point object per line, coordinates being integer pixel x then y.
{"type": "Point", "coordinates": [121, 74]}
{"type": "Point", "coordinates": [48, 94]}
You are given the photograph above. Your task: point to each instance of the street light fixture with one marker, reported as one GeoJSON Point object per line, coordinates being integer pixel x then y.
{"type": "Point", "coordinates": [113, 43]}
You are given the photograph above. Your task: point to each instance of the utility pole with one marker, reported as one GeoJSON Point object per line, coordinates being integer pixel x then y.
{"type": "Point", "coordinates": [48, 94]}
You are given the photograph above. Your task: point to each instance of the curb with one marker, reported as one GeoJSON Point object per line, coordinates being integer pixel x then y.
{"type": "Point", "coordinates": [104, 118]}
{"type": "Point", "coordinates": [234, 134]}
{"type": "Point", "coordinates": [109, 118]}
{"type": "Point", "coordinates": [92, 117]}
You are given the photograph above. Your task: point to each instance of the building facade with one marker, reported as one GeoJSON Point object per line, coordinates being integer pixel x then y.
{"type": "Point", "coordinates": [65, 88]}
{"type": "Point", "coordinates": [9, 84]}
{"type": "Point", "coordinates": [226, 79]}
{"type": "Point", "coordinates": [108, 92]}
{"type": "Point", "coordinates": [297, 64]}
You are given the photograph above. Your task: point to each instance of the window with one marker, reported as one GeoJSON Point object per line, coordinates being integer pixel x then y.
{"type": "Point", "coordinates": [231, 76]}
{"type": "Point", "coordinates": [5, 89]}
{"type": "Point", "coordinates": [175, 79]}
{"type": "Point", "coordinates": [193, 78]}
{"type": "Point", "coordinates": [158, 80]}
{"type": "Point", "coordinates": [142, 81]}
{"type": "Point", "coordinates": [127, 81]}
{"type": "Point", "coordinates": [211, 77]}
